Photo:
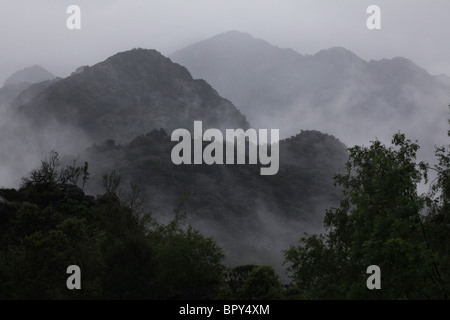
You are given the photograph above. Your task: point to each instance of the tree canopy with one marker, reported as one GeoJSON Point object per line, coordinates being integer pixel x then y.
{"type": "Point", "coordinates": [383, 221]}
{"type": "Point", "coordinates": [50, 224]}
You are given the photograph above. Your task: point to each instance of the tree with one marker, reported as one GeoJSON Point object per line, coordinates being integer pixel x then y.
{"type": "Point", "coordinates": [236, 277]}
{"type": "Point", "coordinates": [189, 264]}
{"type": "Point", "coordinates": [133, 198]}
{"type": "Point", "coordinates": [47, 174]}
{"type": "Point", "coordinates": [437, 221]}
{"type": "Point", "coordinates": [261, 284]}
{"type": "Point", "coordinates": [111, 181]}
{"type": "Point", "coordinates": [378, 222]}
{"type": "Point", "coordinates": [72, 174]}
{"type": "Point", "coordinates": [251, 282]}
{"type": "Point", "coordinates": [122, 254]}
{"type": "Point", "coordinates": [50, 174]}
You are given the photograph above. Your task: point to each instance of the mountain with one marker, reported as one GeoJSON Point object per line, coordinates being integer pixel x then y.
{"type": "Point", "coordinates": [333, 91]}
{"type": "Point", "coordinates": [239, 65]}
{"type": "Point", "coordinates": [253, 217]}
{"type": "Point", "coordinates": [28, 93]}
{"type": "Point", "coordinates": [130, 94]}
{"type": "Point", "coordinates": [126, 95]}
{"type": "Point", "coordinates": [10, 92]}
{"type": "Point", "coordinates": [18, 82]}
{"type": "Point", "coordinates": [34, 74]}
{"type": "Point", "coordinates": [125, 108]}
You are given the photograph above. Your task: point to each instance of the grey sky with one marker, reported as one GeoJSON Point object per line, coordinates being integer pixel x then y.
{"type": "Point", "coordinates": [34, 32]}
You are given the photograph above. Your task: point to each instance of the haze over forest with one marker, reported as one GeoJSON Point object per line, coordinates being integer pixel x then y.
{"type": "Point", "coordinates": [115, 106]}
{"type": "Point", "coordinates": [105, 115]}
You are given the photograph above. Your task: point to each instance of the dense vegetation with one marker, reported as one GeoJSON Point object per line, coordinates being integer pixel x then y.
{"type": "Point", "coordinates": [125, 100]}
{"type": "Point", "coordinates": [49, 224]}
{"type": "Point", "coordinates": [244, 211]}
{"type": "Point", "coordinates": [376, 217]}
{"type": "Point", "coordinates": [381, 221]}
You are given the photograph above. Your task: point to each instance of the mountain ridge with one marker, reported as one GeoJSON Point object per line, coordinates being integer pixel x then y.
{"type": "Point", "coordinates": [129, 94]}
{"type": "Point", "coordinates": [18, 82]}
{"type": "Point", "coordinates": [234, 204]}
{"type": "Point", "coordinates": [333, 91]}
{"type": "Point", "coordinates": [123, 110]}
{"type": "Point", "coordinates": [33, 74]}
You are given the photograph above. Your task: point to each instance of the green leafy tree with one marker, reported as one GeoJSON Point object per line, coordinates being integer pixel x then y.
{"type": "Point", "coordinates": [130, 269]}
{"type": "Point", "coordinates": [189, 264]}
{"type": "Point", "coordinates": [236, 277]}
{"type": "Point", "coordinates": [378, 222]}
{"type": "Point", "coordinates": [261, 284]}
{"type": "Point", "coordinates": [251, 282]}
{"type": "Point", "coordinates": [234, 280]}
{"type": "Point", "coordinates": [437, 222]}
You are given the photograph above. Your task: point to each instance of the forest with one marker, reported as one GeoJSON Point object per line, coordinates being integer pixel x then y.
{"type": "Point", "coordinates": [50, 223]}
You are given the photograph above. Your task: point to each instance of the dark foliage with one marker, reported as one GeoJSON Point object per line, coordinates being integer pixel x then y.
{"type": "Point", "coordinates": [45, 227]}
{"type": "Point", "coordinates": [381, 221]}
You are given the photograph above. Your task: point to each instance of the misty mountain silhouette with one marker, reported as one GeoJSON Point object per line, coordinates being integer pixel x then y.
{"type": "Point", "coordinates": [117, 107]}
{"type": "Point", "coordinates": [34, 74]}
{"type": "Point", "coordinates": [130, 94]}
{"type": "Point", "coordinates": [253, 217]}
{"type": "Point", "coordinates": [20, 81]}
{"type": "Point", "coordinates": [125, 108]}
{"type": "Point", "coordinates": [333, 91]}
{"type": "Point", "coordinates": [10, 92]}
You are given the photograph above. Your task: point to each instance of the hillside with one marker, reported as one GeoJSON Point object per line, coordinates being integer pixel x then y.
{"type": "Point", "coordinates": [130, 94]}
{"type": "Point", "coordinates": [252, 216]}
{"type": "Point", "coordinates": [333, 91]}
{"type": "Point", "coordinates": [34, 74]}
{"type": "Point", "coordinates": [17, 83]}
{"type": "Point", "coordinates": [126, 95]}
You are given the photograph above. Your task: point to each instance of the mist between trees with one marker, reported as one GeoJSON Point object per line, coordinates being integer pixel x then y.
{"type": "Point", "coordinates": [49, 223]}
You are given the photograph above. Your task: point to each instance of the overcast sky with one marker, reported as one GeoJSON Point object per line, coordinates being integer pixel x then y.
{"type": "Point", "coordinates": [34, 31]}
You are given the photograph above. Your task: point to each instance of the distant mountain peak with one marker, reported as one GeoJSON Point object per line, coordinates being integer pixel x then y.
{"type": "Point", "coordinates": [402, 62]}
{"type": "Point", "coordinates": [33, 74]}
{"type": "Point", "coordinates": [325, 91]}
{"type": "Point", "coordinates": [235, 33]}
{"type": "Point", "coordinates": [148, 64]}
{"type": "Point", "coordinates": [230, 50]}
{"type": "Point", "coordinates": [137, 53]}
{"type": "Point", "coordinates": [338, 53]}
{"type": "Point", "coordinates": [128, 94]}
{"type": "Point", "coordinates": [243, 42]}
{"type": "Point", "coordinates": [233, 37]}
{"type": "Point", "coordinates": [402, 68]}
